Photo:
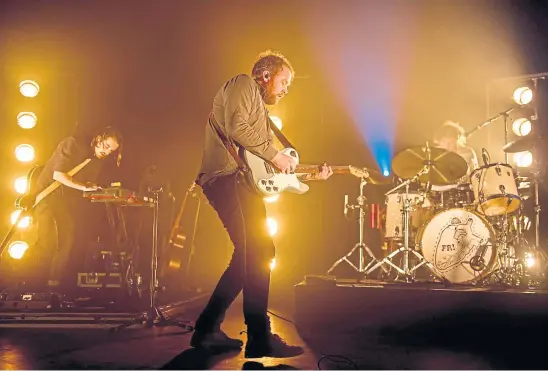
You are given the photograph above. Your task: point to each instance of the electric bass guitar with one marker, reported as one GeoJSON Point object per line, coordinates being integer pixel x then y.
{"type": "Point", "coordinates": [28, 201]}
{"type": "Point", "coordinates": [269, 181]}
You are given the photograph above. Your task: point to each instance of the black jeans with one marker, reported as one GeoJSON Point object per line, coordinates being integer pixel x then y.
{"type": "Point", "coordinates": [243, 214]}
{"type": "Point", "coordinates": [55, 232]}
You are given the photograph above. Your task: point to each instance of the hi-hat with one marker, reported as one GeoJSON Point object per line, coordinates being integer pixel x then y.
{"type": "Point", "coordinates": [444, 166]}
{"type": "Point", "coordinates": [523, 144]}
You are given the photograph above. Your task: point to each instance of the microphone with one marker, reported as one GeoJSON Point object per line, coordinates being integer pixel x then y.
{"type": "Point", "coordinates": [485, 156]}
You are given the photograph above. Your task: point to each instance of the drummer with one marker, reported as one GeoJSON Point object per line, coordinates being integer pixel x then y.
{"type": "Point", "coordinates": [451, 136]}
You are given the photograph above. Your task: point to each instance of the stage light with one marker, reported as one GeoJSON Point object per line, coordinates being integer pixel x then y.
{"type": "Point", "coordinates": [23, 223]}
{"type": "Point", "coordinates": [386, 172]}
{"type": "Point", "coordinates": [523, 159]}
{"type": "Point", "coordinates": [521, 127]}
{"type": "Point", "coordinates": [24, 152]}
{"type": "Point", "coordinates": [273, 264]}
{"type": "Point", "coordinates": [277, 121]}
{"type": "Point", "coordinates": [272, 226]}
{"type": "Point", "coordinates": [29, 88]}
{"type": "Point", "coordinates": [523, 95]}
{"type": "Point", "coordinates": [17, 249]}
{"type": "Point", "coordinates": [271, 199]}
{"type": "Point", "coordinates": [26, 120]}
{"type": "Point", "coordinates": [529, 260]}
{"type": "Point", "coordinates": [20, 184]}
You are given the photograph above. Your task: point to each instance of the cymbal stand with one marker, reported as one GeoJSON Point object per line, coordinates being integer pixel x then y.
{"type": "Point", "coordinates": [406, 271]}
{"type": "Point", "coordinates": [361, 246]}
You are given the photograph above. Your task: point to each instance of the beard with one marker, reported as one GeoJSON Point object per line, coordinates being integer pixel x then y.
{"type": "Point", "coordinates": [268, 95]}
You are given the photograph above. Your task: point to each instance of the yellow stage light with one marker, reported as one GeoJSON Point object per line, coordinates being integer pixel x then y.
{"type": "Point", "coordinates": [23, 223]}
{"type": "Point", "coordinates": [273, 264]}
{"type": "Point", "coordinates": [529, 260]}
{"type": "Point", "coordinates": [27, 120]}
{"type": "Point", "coordinates": [521, 127]}
{"type": "Point", "coordinates": [277, 121]}
{"type": "Point", "coordinates": [523, 95]}
{"type": "Point", "coordinates": [17, 249]}
{"type": "Point", "coordinates": [272, 226]}
{"type": "Point", "coordinates": [24, 152]}
{"type": "Point", "coordinates": [271, 199]}
{"type": "Point", "coordinates": [523, 159]}
{"type": "Point", "coordinates": [29, 88]}
{"type": "Point", "coordinates": [21, 185]}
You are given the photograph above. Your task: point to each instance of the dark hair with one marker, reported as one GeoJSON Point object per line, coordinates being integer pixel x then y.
{"type": "Point", "coordinates": [270, 61]}
{"type": "Point", "coordinates": [109, 132]}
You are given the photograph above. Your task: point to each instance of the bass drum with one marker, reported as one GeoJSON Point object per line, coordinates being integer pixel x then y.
{"type": "Point", "coordinates": [459, 244]}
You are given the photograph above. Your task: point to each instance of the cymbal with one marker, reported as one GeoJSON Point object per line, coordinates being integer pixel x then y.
{"type": "Point", "coordinates": [445, 166]}
{"type": "Point", "coordinates": [523, 144]}
{"type": "Point", "coordinates": [376, 178]}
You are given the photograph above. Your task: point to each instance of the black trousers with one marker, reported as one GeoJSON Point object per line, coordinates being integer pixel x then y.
{"type": "Point", "coordinates": [55, 232]}
{"type": "Point", "coordinates": [243, 214]}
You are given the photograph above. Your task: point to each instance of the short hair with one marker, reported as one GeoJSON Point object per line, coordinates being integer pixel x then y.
{"type": "Point", "coordinates": [109, 132]}
{"type": "Point", "coordinates": [451, 129]}
{"type": "Point", "coordinates": [272, 62]}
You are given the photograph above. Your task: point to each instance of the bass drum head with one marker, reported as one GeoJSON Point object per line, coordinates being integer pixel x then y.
{"type": "Point", "coordinates": [459, 244]}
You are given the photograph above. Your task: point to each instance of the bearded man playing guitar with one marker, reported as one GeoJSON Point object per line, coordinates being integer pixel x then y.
{"type": "Point", "coordinates": [72, 168]}
{"type": "Point", "coordinates": [239, 116]}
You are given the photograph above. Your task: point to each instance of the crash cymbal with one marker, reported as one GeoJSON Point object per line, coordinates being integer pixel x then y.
{"type": "Point", "coordinates": [376, 178]}
{"type": "Point", "coordinates": [523, 144]}
{"type": "Point", "coordinates": [445, 166]}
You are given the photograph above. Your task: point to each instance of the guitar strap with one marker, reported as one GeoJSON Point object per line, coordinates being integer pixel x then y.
{"type": "Point", "coordinates": [53, 186]}
{"type": "Point", "coordinates": [229, 144]}
{"type": "Point", "coordinates": [231, 147]}
{"type": "Point", "coordinates": [285, 142]}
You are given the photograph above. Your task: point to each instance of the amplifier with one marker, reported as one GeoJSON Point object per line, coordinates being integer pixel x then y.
{"type": "Point", "coordinates": [99, 280]}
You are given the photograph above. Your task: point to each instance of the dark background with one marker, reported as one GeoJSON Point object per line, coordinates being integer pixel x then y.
{"type": "Point", "coordinates": [153, 67]}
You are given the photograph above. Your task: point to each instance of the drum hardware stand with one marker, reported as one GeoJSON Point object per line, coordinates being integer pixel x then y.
{"type": "Point", "coordinates": [406, 271]}
{"type": "Point", "coordinates": [361, 246]}
{"type": "Point", "coordinates": [154, 316]}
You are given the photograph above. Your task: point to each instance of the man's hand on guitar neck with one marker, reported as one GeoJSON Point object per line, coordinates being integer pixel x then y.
{"type": "Point", "coordinates": [324, 172]}
{"type": "Point", "coordinates": [286, 164]}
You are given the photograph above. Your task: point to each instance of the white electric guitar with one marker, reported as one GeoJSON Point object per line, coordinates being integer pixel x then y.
{"type": "Point", "coordinates": [270, 181]}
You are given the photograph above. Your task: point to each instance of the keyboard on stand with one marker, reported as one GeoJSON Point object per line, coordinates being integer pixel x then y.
{"type": "Point", "coordinates": [119, 195]}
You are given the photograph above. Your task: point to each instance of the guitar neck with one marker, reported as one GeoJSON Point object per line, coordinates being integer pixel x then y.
{"type": "Point", "coordinates": [308, 169]}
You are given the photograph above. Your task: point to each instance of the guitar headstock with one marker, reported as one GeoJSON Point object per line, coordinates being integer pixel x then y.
{"type": "Point", "coordinates": [358, 172]}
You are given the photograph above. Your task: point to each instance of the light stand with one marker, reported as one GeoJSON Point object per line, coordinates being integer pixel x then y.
{"type": "Point", "coordinates": [361, 246]}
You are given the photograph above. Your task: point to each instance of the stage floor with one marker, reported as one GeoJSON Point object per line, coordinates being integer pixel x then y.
{"type": "Point", "coordinates": [374, 325]}
{"type": "Point", "coordinates": [424, 326]}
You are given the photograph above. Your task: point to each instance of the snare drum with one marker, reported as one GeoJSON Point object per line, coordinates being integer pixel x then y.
{"type": "Point", "coordinates": [459, 244]}
{"type": "Point", "coordinates": [418, 213]}
{"type": "Point", "coordinates": [495, 189]}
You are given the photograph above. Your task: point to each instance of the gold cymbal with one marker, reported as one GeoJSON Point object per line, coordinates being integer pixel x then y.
{"type": "Point", "coordinates": [444, 166]}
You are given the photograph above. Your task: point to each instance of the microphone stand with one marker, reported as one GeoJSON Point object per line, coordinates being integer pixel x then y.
{"type": "Point", "coordinates": [480, 126]}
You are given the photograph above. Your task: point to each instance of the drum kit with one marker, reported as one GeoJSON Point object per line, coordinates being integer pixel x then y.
{"type": "Point", "coordinates": [461, 228]}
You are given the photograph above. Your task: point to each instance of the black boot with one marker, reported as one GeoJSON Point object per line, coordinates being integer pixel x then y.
{"type": "Point", "coordinates": [215, 340]}
{"type": "Point", "coordinates": [261, 342]}
{"type": "Point", "coordinates": [270, 345]}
